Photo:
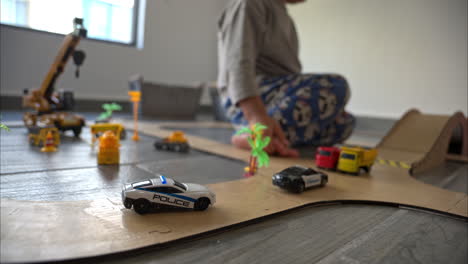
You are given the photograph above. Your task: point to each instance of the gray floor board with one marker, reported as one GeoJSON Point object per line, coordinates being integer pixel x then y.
{"type": "Point", "coordinates": [412, 237]}
{"type": "Point", "coordinates": [200, 169]}
{"type": "Point", "coordinates": [450, 175]}
{"type": "Point", "coordinates": [319, 234]}
{"type": "Point", "coordinates": [18, 156]}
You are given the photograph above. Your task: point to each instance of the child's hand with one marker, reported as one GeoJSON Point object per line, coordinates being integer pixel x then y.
{"type": "Point", "coordinates": [254, 111]}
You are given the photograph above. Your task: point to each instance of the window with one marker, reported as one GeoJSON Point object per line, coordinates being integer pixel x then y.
{"type": "Point", "coordinates": [109, 20]}
{"type": "Point", "coordinates": [180, 185]}
{"type": "Point", "coordinates": [165, 190]}
{"type": "Point", "coordinates": [141, 184]}
{"type": "Point", "coordinates": [324, 153]}
{"type": "Point", "coordinates": [348, 156]}
{"type": "Point", "coordinates": [172, 190]}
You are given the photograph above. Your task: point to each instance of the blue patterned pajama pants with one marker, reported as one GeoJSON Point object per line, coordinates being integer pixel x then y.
{"type": "Point", "coordinates": [309, 108]}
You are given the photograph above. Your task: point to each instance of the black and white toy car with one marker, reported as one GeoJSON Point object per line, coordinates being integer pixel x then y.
{"type": "Point", "coordinates": [165, 192]}
{"type": "Point", "coordinates": [297, 178]}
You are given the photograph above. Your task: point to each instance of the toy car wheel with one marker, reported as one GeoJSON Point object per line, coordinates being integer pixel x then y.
{"type": "Point", "coordinates": [128, 203]}
{"type": "Point", "coordinates": [201, 204]}
{"type": "Point", "coordinates": [123, 134]}
{"type": "Point", "coordinates": [323, 182]}
{"type": "Point", "coordinates": [141, 206]}
{"type": "Point", "coordinates": [300, 187]}
{"type": "Point", "coordinates": [177, 148]}
{"type": "Point", "coordinates": [185, 148]}
{"type": "Point", "coordinates": [77, 131]}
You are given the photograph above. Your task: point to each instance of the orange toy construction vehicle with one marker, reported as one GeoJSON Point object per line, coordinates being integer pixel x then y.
{"type": "Point", "coordinates": [49, 106]}
{"type": "Point", "coordinates": [98, 129]}
{"type": "Point", "coordinates": [38, 136]}
{"type": "Point", "coordinates": [175, 142]}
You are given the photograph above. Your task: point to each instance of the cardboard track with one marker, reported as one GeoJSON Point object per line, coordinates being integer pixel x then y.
{"type": "Point", "coordinates": [45, 231]}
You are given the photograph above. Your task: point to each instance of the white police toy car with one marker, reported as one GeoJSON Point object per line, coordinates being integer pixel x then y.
{"type": "Point", "coordinates": [297, 178]}
{"type": "Point", "coordinates": [165, 192]}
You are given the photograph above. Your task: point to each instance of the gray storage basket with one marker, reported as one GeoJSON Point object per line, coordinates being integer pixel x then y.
{"type": "Point", "coordinates": [164, 101]}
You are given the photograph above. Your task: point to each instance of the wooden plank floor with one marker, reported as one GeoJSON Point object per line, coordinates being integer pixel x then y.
{"type": "Point", "coordinates": [327, 234]}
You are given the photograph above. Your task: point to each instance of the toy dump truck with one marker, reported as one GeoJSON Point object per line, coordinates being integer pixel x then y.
{"type": "Point", "coordinates": [175, 142]}
{"type": "Point", "coordinates": [353, 159]}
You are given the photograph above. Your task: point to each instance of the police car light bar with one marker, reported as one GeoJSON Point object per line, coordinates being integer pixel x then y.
{"type": "Point", "coordinates": [163, 179]}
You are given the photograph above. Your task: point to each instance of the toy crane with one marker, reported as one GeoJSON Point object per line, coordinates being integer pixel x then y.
{"type": "Point", "coordinates": [45, 101]}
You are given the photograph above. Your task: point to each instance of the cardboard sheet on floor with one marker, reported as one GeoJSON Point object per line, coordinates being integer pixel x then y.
{"type": "Point", "coordinates": [45, 231]}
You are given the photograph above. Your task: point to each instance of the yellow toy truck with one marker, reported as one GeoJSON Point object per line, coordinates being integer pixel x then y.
{"type": "Point", "coordinates": [175, 142]}
{"type": "Point", "coordinates": [98, 129]}
{"type": "Point", "coordinates": [353, 159]}
{"type": "Point", "coordinates": [38, 135]}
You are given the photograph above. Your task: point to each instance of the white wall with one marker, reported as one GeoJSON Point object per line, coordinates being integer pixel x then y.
{"type": "Point", "coordinates": [179, 48]}
{"type": "Point", "coordinates": [396, 54]}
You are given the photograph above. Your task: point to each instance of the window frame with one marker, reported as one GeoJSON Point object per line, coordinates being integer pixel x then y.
{"type": "Point", "coordinates": [133, 43]}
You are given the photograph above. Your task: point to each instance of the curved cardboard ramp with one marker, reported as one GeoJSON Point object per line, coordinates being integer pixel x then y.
{"type": "Point", "coordinates": [423, 140]}
{"type": "Point", "coordinates": [49, 231]}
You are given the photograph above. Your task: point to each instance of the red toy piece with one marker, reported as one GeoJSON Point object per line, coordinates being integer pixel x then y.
{"type": "Point", "coordinates": [327, 157]}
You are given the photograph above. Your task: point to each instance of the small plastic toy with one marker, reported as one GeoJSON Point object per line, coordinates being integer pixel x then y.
{"type": "Point", "coordinates": [165, 192]}
{"type": "Point", "coordinates": [135, 96]}
{"type": "Point", "coordinates": [353, 159]}
{"type": "Point", "coordinates": [327, 157]}
{"type": "Point", "coordinates": [38, 136]}
{"type": "Point", "coordinates": [106, 116]}
{"type": "Point", "coordinates": [108, 149]}
{"type": "Point", "coordinates": [63, 121]}
{"type": "Point", "coordinates": [49, 145]}
{"type": "Point", "coordinates": [175, 142]}
{"type": "Point", "coordinates": [98, 129]}
{"type": "Point", "coordinates": [258, 157]}
{"type": "Point", "coordinates": [4, 127]}
{"type": "Point", "coordinates": [297, 178]}
{"type": "Point", "coordinates": [48, 104]}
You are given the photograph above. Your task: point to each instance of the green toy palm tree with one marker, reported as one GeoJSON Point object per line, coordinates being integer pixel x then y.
{"type": "Point", "coordinates": [2, 126]}
{"type": "Point", "coordinates": [109, 109]}
{"type": "Point", "coordinates": [257, 143]}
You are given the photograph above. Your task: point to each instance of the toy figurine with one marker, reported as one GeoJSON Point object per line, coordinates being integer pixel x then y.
{"type": "Point", "coordinates": [258, 156]}
{"type": "Point", "coordinates": [108, 149]}
{"type": "Point", "coordinates": [49, 145]}
{"type": "Point", "coordinates": [176, 142]}
{"type": "Point", "coordinates": [165, 192]}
